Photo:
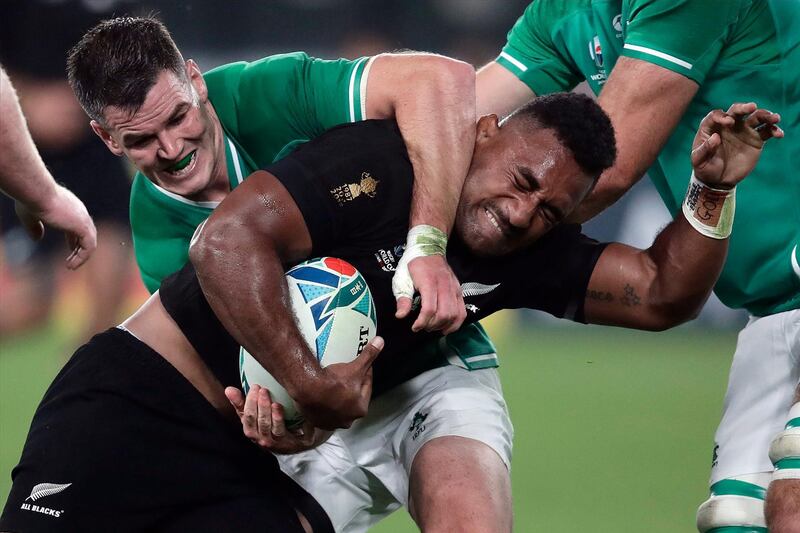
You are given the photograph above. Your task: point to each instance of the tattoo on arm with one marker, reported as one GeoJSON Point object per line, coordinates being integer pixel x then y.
{"type": "Point", "coordinates": [601, 296]}
{"type": "Point", "coordinates": [630, 298]}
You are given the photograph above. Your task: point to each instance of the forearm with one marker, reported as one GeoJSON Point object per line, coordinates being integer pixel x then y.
{"type": "Point", "coordinates": [687, 265]}
{"type": "Point", "coordinates": [433, 101]}
{"type": "Point", "coordinates": [256, 313]}
{"type": "Point", "coordinates": [23, 175]}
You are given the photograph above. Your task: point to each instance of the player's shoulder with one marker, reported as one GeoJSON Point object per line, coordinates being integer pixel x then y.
{"type": "Point", "coordinates": [548, 13]}
{"type": "Point", "coordinates": [378, 140]}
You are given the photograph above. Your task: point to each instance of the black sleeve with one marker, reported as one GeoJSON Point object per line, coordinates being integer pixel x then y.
{"type": "Point", "coordinates": [185, 302]}
{"type": "Point", "coordinates": [553, 275]}
{"type": "Point", "coordinates": [353, 182]}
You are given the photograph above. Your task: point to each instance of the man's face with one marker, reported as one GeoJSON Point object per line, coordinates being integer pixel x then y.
{"type": "Point", "coordinates": [172, 138]}
{"type": "Point", "coordinates": [519, 185]}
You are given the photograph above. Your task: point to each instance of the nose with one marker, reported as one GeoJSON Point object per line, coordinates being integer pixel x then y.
{"type": "Point", "coordinates": [521, 211]}
{"type": "Point", "coordinates": [169, 146]}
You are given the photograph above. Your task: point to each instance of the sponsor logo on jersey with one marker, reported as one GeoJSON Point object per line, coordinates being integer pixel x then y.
{"type": "Point", "coordinates": [387, 259]}
{"type": "Point", "coordinates": [596, 55]}
{"type": "Point", "coordinates": [42, 490]}
{"type": "Point", "coordinates": [617, 23]}
{"type": "Point", "coordinates": [368, 186]}
{"type": "Point", "coordinates": [417, 424]}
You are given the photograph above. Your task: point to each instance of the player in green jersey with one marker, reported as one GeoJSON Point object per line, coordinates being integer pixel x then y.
{"type": "Point", "coordinates": [195, 137]}
{"type": "Point", "coordinates": [658, 66]}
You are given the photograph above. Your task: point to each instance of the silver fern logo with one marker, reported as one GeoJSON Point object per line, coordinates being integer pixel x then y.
{"type": "Point", "coordinates": [473, 288]}
{"type": "Point", "coordinates": [46, 489]}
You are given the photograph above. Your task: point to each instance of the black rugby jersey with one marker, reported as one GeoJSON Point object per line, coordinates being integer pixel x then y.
{"type": "Point", "coordinates": [353, 187]}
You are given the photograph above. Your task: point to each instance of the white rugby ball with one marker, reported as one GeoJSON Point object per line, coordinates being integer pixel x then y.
{"type": "Point", "coordinates": [335, 314]}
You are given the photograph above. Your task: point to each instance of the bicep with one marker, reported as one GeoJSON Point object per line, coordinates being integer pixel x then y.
{"type": "Point", "coordinates": [618, 293]}
{"type": "Point", "coordinates": [499, 91]}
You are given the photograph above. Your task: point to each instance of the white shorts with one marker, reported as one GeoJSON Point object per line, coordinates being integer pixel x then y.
{"type": "Point", "coordinates": [360, 475]}
{"type": "Point", "coordinates": [764, 375]}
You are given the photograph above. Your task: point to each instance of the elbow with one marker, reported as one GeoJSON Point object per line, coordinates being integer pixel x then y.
{"type": "Point", "coordinates": [210, 243]}
{"type": "Point", "coordinates": [667, 315]}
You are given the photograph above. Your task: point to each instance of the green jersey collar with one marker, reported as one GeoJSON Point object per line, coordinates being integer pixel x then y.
{"type": "Point", "coordinates": [236, 166]}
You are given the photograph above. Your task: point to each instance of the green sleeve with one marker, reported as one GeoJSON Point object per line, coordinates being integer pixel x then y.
{"type": "Point", "coordinates": [685, 36]}
{"type": "Point", "coordinates": [287, 97]}
{"type": "Point", "coordinates": [532, 51]}
{"type": "Point", "coordinates": [161, 233]}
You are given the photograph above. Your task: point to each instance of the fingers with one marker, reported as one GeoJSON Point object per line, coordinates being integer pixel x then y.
{"type": "Point", "coordinates": [441, 298]}
{"type": "Point", "coordinates": [703, 153]}
{"type": "Point", "coordinates": [82, 246]}
{"type": "Point", "coordinates": [403, 307]}
{"type": "Point", "coordinates": [765, 123]}
{"type": "Point", "coordinates": [740, 111]}
{"type": "Point", "coordinates": [264, 414]}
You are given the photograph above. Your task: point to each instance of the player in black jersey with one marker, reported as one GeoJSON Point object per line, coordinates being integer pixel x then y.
{"type": "Point", "coordinates": [135, 433]}
{"type": "Point", "coordinates": [346, 194]}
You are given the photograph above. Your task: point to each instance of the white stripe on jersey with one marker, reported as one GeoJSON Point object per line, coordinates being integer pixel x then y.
{"type": "Point", "coordinates": [351, 90]}
{"type": "Point", "coordinates": [795, 266]}
{"type": "Point", "coordinates": [235, 156]}
{"type": "Point", "coordinates": [364, 78]}
{"type": "Point", "coordinates": [656, 53]}
{"type": "Point", "coordinates": [514, 61]}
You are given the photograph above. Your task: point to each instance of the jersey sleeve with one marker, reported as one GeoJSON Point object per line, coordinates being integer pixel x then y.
{"type": "Point", "coordinates": [554, 274]}
{"type": "Point", "coordinates": [352, 184]}
{"type": "Point", "coordinates": [307, 94]}
{"type": "Point", "coordinates": [531, 53]}
{"type": "Point", "coordinates": [684, 36]}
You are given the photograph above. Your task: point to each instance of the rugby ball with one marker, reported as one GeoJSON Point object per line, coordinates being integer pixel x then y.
{"type": "Point", "coordinates": [335, 314]}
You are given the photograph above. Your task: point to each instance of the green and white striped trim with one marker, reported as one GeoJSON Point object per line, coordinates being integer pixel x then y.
{"type": "Point", "coordinates": [468, 362]}
{"type": "Point", "coordinates": [511, 62]}
{"type": "Point", "coordinates": [658, 57]}
{"type": "Point", "coordinates": [735, 506]}
{"type": "Point", "coordinates": [785, 449]}
{"type": "Point", "coordinates": [357, 89]}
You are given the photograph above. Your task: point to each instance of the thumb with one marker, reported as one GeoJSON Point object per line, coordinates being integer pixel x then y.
{"type": "Point", "coordinates": [403, 307]}
{"type": "Point", "coordinates": [370, 352]}
{"type": "Point", "coordinates": [236, 398]}
{"type": "Point", "coordinates": [33, 226]}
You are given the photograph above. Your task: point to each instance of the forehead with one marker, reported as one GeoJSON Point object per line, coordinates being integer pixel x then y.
{"type": "Point", "coordinates": [168, 92]}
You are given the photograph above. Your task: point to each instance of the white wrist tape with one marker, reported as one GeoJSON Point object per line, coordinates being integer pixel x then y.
{"type": "Point", "coordinates": [422, 241]}
{"type": "Point", "coordinates": [709, 210]}
{"type": "Point", "coordinates": [784, 452]}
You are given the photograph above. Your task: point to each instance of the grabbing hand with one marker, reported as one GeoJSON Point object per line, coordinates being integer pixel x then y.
{"type": "Point", "coordinates": [728, 144]}
{"type": "Point", "coordinates": [442, 302]}
{"type": "Point", "coordinates": [344, 392]}
{"type": "Point", "coordinates": [67, 213]}
{"type": "Point", "coordinates": [263, 423]}
{"type": "Point", "coordinates": [423, 267]}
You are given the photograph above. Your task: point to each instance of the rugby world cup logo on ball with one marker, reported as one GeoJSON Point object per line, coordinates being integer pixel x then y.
{"type": "Point", "coordinates": [335, 314]}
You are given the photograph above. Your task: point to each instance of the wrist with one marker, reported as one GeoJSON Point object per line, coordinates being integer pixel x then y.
{"type": "Point", "coordinates": [710, 210]}
{"type": "Point", "coordinates": [425, 240]}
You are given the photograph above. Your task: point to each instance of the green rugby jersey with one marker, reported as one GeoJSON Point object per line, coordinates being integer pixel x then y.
{"type": "Point", "coordinates": [736, 50]}
{"type": "Point", "coordinates": [266, 108]}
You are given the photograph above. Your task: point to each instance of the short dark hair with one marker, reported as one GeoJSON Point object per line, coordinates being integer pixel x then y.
{"type": "Point", "coordinates": [117, 62]}
{"type": "Point", "coordinates": [579, 123]}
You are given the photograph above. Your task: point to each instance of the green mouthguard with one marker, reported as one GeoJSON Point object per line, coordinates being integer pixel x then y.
{"type": "Point", "coordinates": [180, 165]}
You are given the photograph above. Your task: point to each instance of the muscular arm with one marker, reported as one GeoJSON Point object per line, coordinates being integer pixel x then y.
{"type": "Point", "coordinates": [24, 177]}
{"type": "Point", "coordinates": [657, 288]}
{"type": "Point", "coordinates": [668, 283]}
{"type": "Point", "coordinates": [499, 92]}
{"type": "Point", "coordinates": [240, 255]}
{"type": "Point", "coordinates": [433, 100]}
{"type": "Point", "coordinates": [645, 103]}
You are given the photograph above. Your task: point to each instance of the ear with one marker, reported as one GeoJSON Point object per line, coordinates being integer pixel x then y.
{"type": "Point", "coordinates": [106, 137]}
{"type": "Point", "coordinates": [486, 128]}
{"type": "Point", "coordinates": [197, 80]}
